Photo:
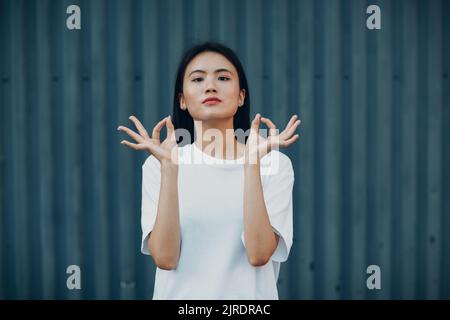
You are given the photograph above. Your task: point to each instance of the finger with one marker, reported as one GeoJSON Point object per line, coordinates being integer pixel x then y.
{"type": "Point", "coordinates": [169, 124]}
{"type": "Point", "coordinates": [139, 126]}
{"type": "Point", "coordinates": [290, 131]}
{"type": "Point", "coordinates": [131, 133]}
{"type": "Point", "coordinates": [288, 142]}
{"type": "Point", "coordinates": [134, 146]}
{"type": "Point", "coordinates": [290, 123]}
{"type": "Point", "coordinates": [256, 122]}
{"type": "Point", "coordinates": [271, 125]}
{"type": "Point", "coordinates": [171, 130]}
{"type": "Point", "coordinates": [157, 129]}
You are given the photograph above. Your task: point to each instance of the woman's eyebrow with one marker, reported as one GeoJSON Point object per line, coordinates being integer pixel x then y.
{"type": "Point", "coordinates": [216, 71]}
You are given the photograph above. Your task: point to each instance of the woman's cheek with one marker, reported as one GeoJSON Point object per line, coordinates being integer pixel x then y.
{"type": "Point", "coordinates": [191, 97]}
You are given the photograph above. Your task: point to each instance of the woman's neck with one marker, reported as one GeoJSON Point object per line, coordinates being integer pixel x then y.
{"type": "Point", "coordinates": [217, 139]}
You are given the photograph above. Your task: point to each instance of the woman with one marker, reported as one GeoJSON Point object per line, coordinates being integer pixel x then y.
{"type": "Point", "coordinates": [217, 228]}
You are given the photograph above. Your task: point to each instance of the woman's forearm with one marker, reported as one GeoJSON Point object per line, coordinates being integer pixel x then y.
{"type": "Point", "coordinates": [260, 240]}
{"type": "Point", "coordinates": [164, 240]}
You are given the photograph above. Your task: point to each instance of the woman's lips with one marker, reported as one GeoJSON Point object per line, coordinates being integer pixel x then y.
{"type": "Point", "coordinates": [212, 101]}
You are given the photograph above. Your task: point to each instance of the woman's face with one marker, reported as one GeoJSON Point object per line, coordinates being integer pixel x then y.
{"type": "Point", "coordinates": [211, 75]}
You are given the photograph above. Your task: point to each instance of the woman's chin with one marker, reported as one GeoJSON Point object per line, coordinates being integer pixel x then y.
{"type": "Point", "coordinates": [213, 113]}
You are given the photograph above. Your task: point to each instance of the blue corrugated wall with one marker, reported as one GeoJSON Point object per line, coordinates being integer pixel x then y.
{"type": "Point", "coordinates": [372, 165]}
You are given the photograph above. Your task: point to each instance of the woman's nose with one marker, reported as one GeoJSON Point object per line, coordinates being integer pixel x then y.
{"type": "Point", "coordinates": [210, 89]}
{"type": "Point", "coordinates": [210, 86]}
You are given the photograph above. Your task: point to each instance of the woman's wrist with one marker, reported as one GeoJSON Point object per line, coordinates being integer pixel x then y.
{"type": "Point", "coordinates": [169, 166]}
{"type": "Point", "coordinates": [248, 166]}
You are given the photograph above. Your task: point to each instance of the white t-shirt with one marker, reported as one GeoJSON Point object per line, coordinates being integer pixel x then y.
{"type": "Point", "coordinates": [213, 262]}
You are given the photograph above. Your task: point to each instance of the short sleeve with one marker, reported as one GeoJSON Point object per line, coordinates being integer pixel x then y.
{"type": "Point", "coordinates": [151, 182]}
{"type": "Point", "coordinates": [277, 190]}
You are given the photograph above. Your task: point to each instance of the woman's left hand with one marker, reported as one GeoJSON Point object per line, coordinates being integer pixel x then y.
{"type": "Point", "coordinates": [257, 146]}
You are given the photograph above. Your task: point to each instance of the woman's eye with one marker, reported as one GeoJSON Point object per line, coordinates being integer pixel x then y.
{"type": "Point", "coordinates": [222, 78]}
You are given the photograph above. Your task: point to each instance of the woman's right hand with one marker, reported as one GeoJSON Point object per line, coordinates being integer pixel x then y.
{"type": "Point", "coordinates": [165, 152]}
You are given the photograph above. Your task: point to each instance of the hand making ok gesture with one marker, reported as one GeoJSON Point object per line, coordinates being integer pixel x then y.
{"type": "Point", "coordinates": [164, 151]}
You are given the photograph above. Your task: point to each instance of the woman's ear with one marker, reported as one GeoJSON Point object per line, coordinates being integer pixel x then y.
{"type": "Point", "coordinates": [241, 97]}
{"type": "Point", "coordinates": [182, 101]}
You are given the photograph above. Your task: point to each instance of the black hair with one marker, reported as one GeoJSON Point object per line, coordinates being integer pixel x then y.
{"type": "Point", "coordinates": [181, 118]}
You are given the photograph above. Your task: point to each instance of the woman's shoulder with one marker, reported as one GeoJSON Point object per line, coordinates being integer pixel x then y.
{"type": "Point", "coordinates": [151, 162]}
{"type": "Point", "coordinates": [276, 162]}
{"type": "Point", "coordinates": [280, 155]}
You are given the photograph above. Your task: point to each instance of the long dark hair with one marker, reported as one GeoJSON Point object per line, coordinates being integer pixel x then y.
{"type": "Point", "coordinates": [181, 118]}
